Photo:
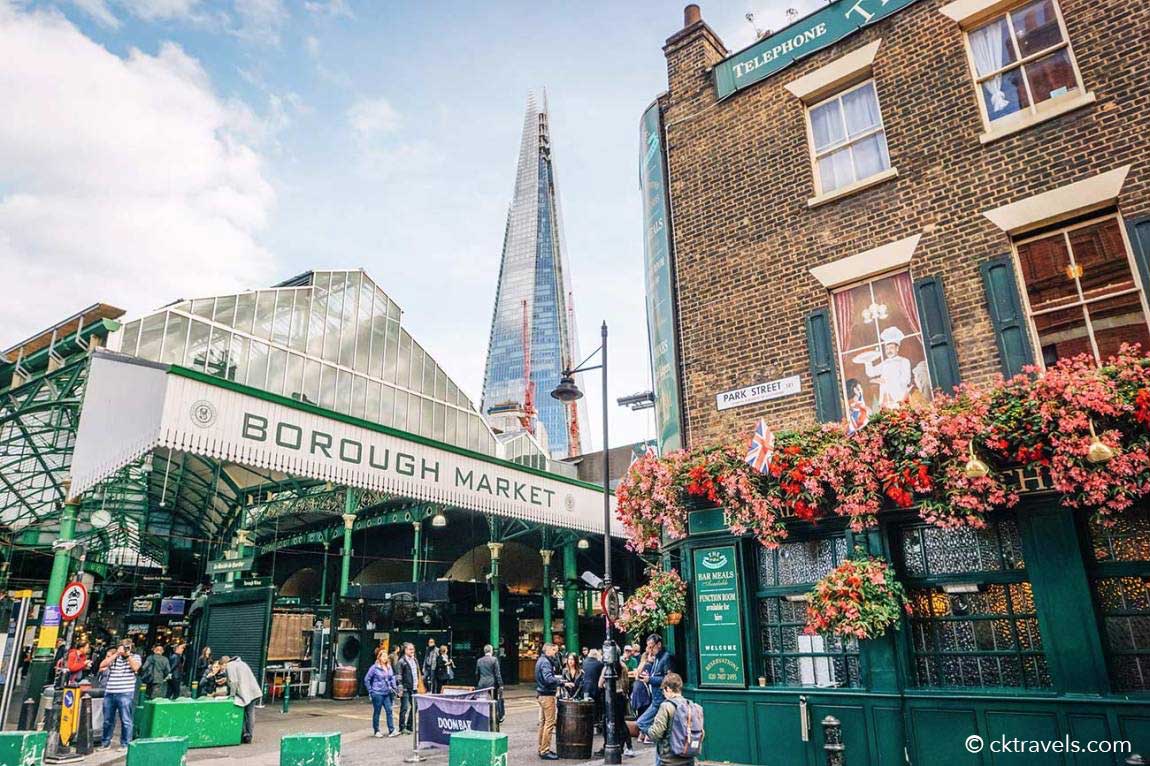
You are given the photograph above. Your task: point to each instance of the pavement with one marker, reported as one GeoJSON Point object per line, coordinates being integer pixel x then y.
{"type": "Point", "coordinates": [358, 747]}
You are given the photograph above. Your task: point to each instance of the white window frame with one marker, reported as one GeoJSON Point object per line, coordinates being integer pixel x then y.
{"type": "Point", "coordinates": [821, 194]}
{"type": "Point", "coordinates": [1136, 276]}
{"type": "Point", "coordinates": [1033, 113]}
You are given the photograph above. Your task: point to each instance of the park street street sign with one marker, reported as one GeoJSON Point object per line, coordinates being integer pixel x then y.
{"type": "Point", "coordinates": [762, 392]}
{"type": "Point", "coordinates": [220, 566]}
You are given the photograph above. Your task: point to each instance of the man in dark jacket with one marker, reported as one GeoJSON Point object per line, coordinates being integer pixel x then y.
{"type": "Point", "coordinates": [653, 674]}
{"type": "Point", "coordinates": [546, 686]}
{"type": "Point", "coordinates": [176, 677]}
{"type": "Point", "coordinates": [489, 676]}
{"type": "Point", "coordinates": [156, 672]}
{"type": "Point", "coordinates": [592, 672]}
{"type": "Point", "coordinates": [408, 671]}
{"type": "Point", "coordinates": [431, 667]}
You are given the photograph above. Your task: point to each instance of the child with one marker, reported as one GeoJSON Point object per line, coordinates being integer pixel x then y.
{"type": "Point", "coordinates": [660, 729]}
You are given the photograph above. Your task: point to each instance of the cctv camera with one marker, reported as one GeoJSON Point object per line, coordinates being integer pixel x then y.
{"type": "Point", "coordinates": [592, 579]}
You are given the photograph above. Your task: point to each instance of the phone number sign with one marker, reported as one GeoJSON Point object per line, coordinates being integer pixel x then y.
{"type": "Point", "coordinates": [719, 615]}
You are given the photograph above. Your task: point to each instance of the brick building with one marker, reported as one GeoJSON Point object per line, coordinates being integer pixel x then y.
{"type": "Point", "coordinates": [882, 200]}
{"type": "Point", "coordinates": [760, 242]}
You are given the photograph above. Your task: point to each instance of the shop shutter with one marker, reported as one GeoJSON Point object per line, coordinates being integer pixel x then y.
{"type": "Point", "coordinates": [1139, 230]}
{"type": "Point", "coordinates": [1006, 315]}
{"type": "Point", "coordinates": [824, 379]}
{"type": "Point", "coordinates": [936, 333]}
{"type": "Point", "coordinates": [239, 628]}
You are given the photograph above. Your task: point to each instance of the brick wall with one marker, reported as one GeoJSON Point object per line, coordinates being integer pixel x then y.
{"type": "Point", "coordinates": [745, 238]}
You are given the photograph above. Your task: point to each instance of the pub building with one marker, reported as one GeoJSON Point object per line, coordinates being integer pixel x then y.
{"type": "Point", "coordinates": [879, 202]}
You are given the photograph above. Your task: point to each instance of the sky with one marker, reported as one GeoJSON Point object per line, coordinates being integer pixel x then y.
{"type": "Point", "coordinates": [152, 150]}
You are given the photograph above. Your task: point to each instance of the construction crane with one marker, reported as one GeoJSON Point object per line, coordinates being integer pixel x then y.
{"type": "Point", "coordinates": [527, 419]}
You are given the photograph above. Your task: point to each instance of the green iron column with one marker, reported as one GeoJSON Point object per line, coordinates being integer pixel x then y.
{"type": "Point", "coordinates": [323, 575]}
{"type": "Point", "coordinates": [669, 631]}
{"type": "Point", "coordinates": [570, 598]}
{"type": "Point", "coordinates": [39, 673]}
{"type": "Point", "coordinates": [351, 500]}
{"type": "Point", "coordinates": [546, 554]}
{"type": "Point", "coordinates": [496, 549]}
{"type": "Point", "coordinates": [416, 549]}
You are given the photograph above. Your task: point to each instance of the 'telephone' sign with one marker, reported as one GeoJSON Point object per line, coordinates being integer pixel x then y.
{"type": "Point", "coordinates": [817, 31]}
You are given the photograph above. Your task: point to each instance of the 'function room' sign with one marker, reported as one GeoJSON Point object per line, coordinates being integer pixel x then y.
{"type": "Point", "coordinates": [719, 614]}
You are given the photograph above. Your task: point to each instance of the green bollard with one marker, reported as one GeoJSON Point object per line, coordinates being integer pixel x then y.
{"type": "Point", "coordinates": [161, 751]}
{"type": "Point", "coordinates": [195, 689]}
{"type": "Point", "coordinates": [478, 748]}
{"type": "Point", "coordinates": [287, 694]}
{"type": "Point", "coordinates": [316, 749]}
{"type": "Point", "coordinates": [23, 748]}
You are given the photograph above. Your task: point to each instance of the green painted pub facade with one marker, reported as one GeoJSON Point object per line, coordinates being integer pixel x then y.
{"type": "Point", "coordinates": [1026, 630]}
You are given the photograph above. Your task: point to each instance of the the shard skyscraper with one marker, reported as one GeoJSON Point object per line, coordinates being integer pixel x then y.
{"type": "Point", "coordinates": [533, 327]}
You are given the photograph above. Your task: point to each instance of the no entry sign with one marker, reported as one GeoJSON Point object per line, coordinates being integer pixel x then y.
{"type": "Point", "coordinates": [73, 600]}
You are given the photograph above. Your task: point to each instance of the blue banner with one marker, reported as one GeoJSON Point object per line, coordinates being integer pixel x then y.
{"type": "Point", "coordinates": [441, 715]}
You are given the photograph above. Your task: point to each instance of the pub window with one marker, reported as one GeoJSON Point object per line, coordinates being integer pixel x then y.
{"type": "Point", "coordinates": [1120, 575]}
{"type": "Point", "coordinates": [973, 621]}
{"type": "Point", "coordinates": [1022, 62]}
{"type": "Point", "coordinates": [1081, 292]}
{"type": "Point", "coordinates": [880, 350]}
{"type": "Point", "coordinates": [848, 141]}
{"type": "Point", "coordinates": [791, 658]}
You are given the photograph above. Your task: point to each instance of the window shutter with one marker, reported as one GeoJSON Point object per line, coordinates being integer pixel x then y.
{"type": "Point", "coordinates": [1006, 314]}
{"type": "Point", "coordinates": [824, 379]}
{"type": "Point", "coordinates": [1139, 230]}
{"type": "Point", "coordinates": [936, 333]}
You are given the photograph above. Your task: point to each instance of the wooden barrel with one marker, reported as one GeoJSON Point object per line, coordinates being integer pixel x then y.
{"type": "Point", "coordinates": [343, 683]}
{"type": "Point", "coordinates": [575, 729]}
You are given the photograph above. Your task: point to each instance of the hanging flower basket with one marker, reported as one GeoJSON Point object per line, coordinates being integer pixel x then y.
{"type": "Point", "coordinates": [1084, 425]}
{"type": "Point", "coordinates": [859, 599]}
{"type": "Point", "coordinates": [655, 605]}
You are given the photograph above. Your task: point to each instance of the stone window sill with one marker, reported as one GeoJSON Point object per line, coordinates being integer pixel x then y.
{"type": "Point", "coordinates": [1029, 121]}
{"type": "Point", "coordinates": [857, 186]}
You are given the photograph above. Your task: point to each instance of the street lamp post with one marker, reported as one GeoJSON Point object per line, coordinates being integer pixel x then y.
{"type": "Point", "coordinates": [567, 391]}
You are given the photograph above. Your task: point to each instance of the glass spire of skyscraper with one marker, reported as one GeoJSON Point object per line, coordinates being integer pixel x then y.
{"type": "Point", "coordinates": [533, 327]}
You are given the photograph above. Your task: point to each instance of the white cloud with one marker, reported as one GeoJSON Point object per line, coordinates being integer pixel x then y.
{"type": "Point", "coordinates": [161, 10]}
{"type": "Point", "coordinates": [372, 118]}
{"type": "Point", "coordinates": [328, 8]}
{"type": "Point", "coordinates": [99, 11]}
{"type": "Point", "coordinates": [261, 19]}
{"type": "Point", "coordinates": [124, 180]}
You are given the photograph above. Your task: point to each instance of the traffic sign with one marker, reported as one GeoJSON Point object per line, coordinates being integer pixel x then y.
{"type": "Point", "coordinates": [73, 600]}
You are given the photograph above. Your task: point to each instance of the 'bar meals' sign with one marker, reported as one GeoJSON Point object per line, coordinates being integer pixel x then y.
{"type": "Point", "coordinates": [817, 31]}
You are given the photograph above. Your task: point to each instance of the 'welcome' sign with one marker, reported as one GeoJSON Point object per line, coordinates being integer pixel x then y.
{"type": "Point", "coordinates": [813, 33]}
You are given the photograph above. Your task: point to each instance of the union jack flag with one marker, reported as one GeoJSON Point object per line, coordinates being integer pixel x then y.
{"type": "Point", "coordinates": [762, 447]}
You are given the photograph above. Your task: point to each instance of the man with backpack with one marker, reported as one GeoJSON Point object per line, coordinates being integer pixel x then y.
{"type": "Point", "coordinates": [677, 729]}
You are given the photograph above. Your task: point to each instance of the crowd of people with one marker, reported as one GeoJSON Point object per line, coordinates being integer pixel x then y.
{"type": "Point", "coordinates": [400, 674]}
{"type": "Point", "coordinates": [645, 683]}
{"type": "Point", "coordinates": [165, 673]}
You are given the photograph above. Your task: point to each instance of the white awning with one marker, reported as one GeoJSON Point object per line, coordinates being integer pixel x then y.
{"type": "Point", "coordinates": [132, 407]}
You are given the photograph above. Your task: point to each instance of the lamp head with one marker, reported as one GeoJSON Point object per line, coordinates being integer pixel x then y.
{"type": "Point", "coordinates": [567, 391]}
{"type": "Point", "coordinates": [583, 544]}
{"type": "Point", "coordinates": [439, 520]}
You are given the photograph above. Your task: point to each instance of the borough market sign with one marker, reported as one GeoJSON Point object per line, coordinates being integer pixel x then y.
{"type": "Point", "coordinates": [820, 29]}
{"type": "Point", "coordinates": [132, 407]}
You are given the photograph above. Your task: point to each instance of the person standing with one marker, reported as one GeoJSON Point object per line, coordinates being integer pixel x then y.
{"type": "Point", "coordinates": [178, 664]}
{"type": "Point", "coordinates": [658, 665]}
{"type": "Point", "coordinates": [620, 715]}
{"type": "Point", "coordinates": [546, 687]}
{"type": "Point", "coordinates": [381, 687]}
{"type": "Point", "coordinates": [570, 678]}
{"type": "Point", "coordinates": [408, 686]}
{"type": "Point", "coordinates": [245, 691]}
{"type": "Point", "coordinates": [488, 675]}
{"type": "Point", "coordinates": [663, 722]}
{"type": "Point", "coordinates": [119, 692]}
{"type": "Point", "coordinates": [156, 672]}
{"type": "Point", "coordinates": [203, 664]}
{"type": "Point", "coordinates": [430, 666]}
{"type": "Point", "coordinates": [444, 670]}
{"type": "Point", "coordinates": [76, 663]}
